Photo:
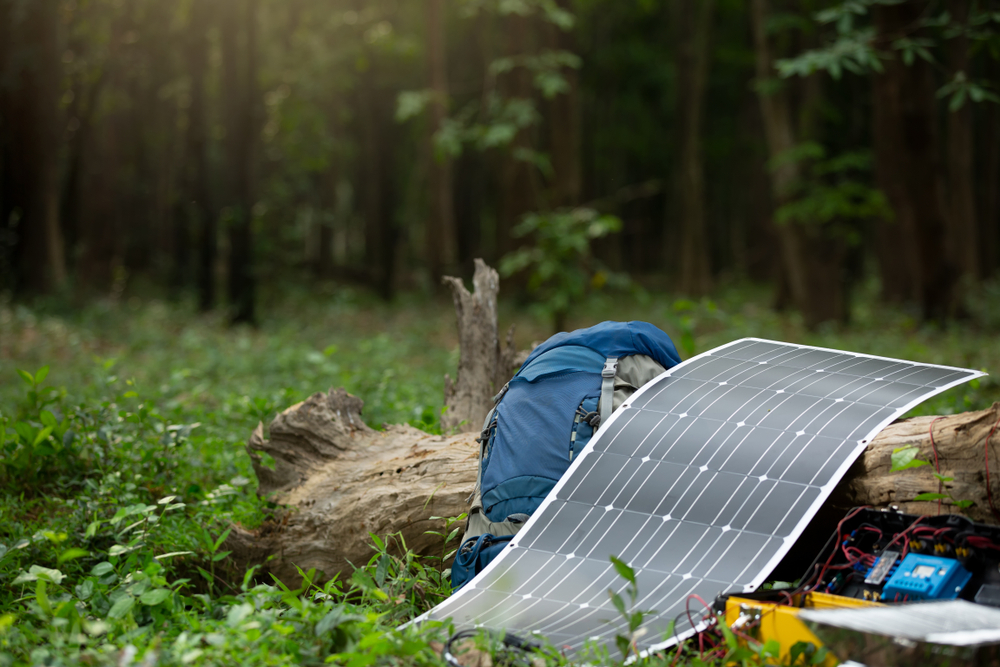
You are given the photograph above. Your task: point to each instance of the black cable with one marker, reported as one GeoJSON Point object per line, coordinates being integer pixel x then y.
{"type": "Point", "coordinates": [509, 640]}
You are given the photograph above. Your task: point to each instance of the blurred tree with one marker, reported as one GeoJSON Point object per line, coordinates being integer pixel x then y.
{"type": "Point", "coordinates": [961, 172]}
{"type": "Point", "coordinates": [238, 32]}
{"type": "Point", "coordinates": [32, 123]}
{"type": "Point", "coordinates": [440, 234]}
{"type": "Point", "coordinates": [937, 237]}
{"type": "Point", "coordinates": [811, 256]}
{"type": "Point", "coordinates": [693, 22]}
{"type": "Point", "coordinates": [199, 210]}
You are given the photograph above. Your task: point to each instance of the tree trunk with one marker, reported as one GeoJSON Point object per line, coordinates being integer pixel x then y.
{"type": "Point", "coordinates": [518, 187]}
{"type": "Point", "coordinates": [377, 186]}
{"type": "Point", "coordinates": [990, 183]}
{"type": "Point", "coordinates": [440, 236]}
{"type": "Point", "coordinates": [202, 214]}
{"type": "Point", "coordinates": [908, 170]}
{"type": "Point", "coordinates": [239, 73]}
{"type": "Point", "coordinates": [693, 23]}
{"type": "Point", "coordinates": [482, 367]}
{"type": "Point", "coordinates": [564, 125]}
{"type": "Point", "coordinates": [35, 134]}
{"type": "Point", "coordinates": [811, 258]}
{"type": "Point", "coordinates": [964, 227]}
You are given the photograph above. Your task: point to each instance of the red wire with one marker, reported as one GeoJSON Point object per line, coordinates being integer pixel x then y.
{"type": "Point", "coordinates": [937, 467]}
{"type": "Point", "coordinates": [986, 457]}
{"type": "Point", "coordinates": [829, 560]}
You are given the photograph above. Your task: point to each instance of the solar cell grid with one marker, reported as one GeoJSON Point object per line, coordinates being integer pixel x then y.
{"type": "Point", "coordinates": [701, 481]}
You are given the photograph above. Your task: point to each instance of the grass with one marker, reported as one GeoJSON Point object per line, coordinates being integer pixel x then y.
{"type": "Point", "coordinates": [112, 519]}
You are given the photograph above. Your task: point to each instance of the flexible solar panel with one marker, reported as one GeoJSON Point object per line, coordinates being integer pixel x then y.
{"type": "Point", "coordinates": [701, 481]}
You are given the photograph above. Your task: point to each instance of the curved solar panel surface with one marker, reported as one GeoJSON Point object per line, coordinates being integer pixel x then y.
{"type": "Point", "coordinates": [701, 481]}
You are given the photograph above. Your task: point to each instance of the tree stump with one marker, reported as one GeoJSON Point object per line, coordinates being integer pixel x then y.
{"type": "Point", "coordinates": [482, 367]}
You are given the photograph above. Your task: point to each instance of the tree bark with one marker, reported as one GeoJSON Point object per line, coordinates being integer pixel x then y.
{"type": "Point", "coordinates": [440, 236]}
{"type": "Point", "coordinates": [564, 125]}
{"type": "Point", "coordinates": [239, 73]}
{"type": "Point", "coordinates": [960, 442]}
{"type": "Point", "coordinates": [811, 258]}
{"type": "Point", "coordinates": [35, 135]}
{"type": "Point", "coordinates": [989, 186]}
{"type": "Point", "coordinates": [693, 23]}
{"type": "Point", "coordinates": [377, 183]}
{"type": "Point", "coordinates": [908, 170]}
{"type": "Point", "coordinates": [518, 186]}
{"type": "Point", "coordinates": [200, 209]}
{"type": "Point", "coordinates": [964, 223]}
{"type": "Point", "coordinates": [340, 481]}
{"type": "Point", "coordinates": [483, 367]}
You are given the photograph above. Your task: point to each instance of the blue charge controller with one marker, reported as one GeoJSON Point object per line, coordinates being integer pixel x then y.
{"type": "Point", "coordinates": [921, 577]}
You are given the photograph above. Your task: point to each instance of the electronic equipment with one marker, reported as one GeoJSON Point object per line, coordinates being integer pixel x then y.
{"type": "Point", "coordinates": [892, 558]}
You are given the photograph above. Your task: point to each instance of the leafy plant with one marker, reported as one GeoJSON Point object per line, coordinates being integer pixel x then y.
{"type": "Point", "coordinates": [904, 458]}
{"type": "Point", "coordinates": [832, 193]}
{"type": "Point", "coordinates": [633, 617]}
{"type": "Point", "coordinates": [560, 264]}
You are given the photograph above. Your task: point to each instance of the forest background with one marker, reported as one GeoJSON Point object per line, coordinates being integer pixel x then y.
{"type": "Point", "coordinates": [198, 144]}
{"type": "Point", "coordinates": [307, 170]}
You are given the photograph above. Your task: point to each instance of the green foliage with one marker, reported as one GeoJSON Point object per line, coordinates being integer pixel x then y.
{"type": "Point", "coordinates": [160, 401]}
{"type": "Point", "coordinates": [633, 617]}
{"type": "Point", "coordinates": [832, 193]}
{"type": "Point", "coordinates": [854, 47]}
{"type": "Point", "coordinates": [561, 268]}
{"type": "Point", "coordinates": [904, 458]}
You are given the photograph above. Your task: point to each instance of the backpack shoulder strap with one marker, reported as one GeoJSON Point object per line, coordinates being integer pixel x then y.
{"type": "Point", "coordinates": [607, 388]}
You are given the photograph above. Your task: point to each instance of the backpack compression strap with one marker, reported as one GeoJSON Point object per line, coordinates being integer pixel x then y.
{"type": "Point", "coordinates": [608, 388]}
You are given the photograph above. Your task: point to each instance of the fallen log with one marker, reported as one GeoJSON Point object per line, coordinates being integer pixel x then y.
{"type": "Point", "coordinates": [341, 480]}
{"type": "Point", "coordinates": [336, 480]}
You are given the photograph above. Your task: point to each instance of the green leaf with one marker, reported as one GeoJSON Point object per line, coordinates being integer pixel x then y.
{"type": "Point", "coordinates": [122, 607]}
{"type": "Point", "coordinates": [42, 373]}
{"type": "Point", "coordinates": [618, 602]}
{"type": "Point", "coordinates": [47, 418]}
{"type": "Point", "coordinates": [42, 435]}
{"type": "Point", "coordinates": [222, 538]}
{"type": "Point", "coordinates": [85, 590]}
{"type": "Point", "coordinates": [155, 596]}
{"type": "Point", "coordinates": [102, 569]}
{"type": "Point", "coordinates": [382, 569]}
{"type": "Point", "coordinates": [72, 554]}
{"type": "Point", "coordinates": [624, 571]}
{"type": "Point", "coordinates": [42, 598]}
{"type": "Point", "coordinates": [219, 556]}
{"type": "Point", "coordinates": [27, 377]}
{"type": "Point", "coordinates": [623, 645]}
{"type": "Point", "coordinates": [770, 649]}
{"type": "Point", "coordinates": [48, 574]}
{"type": "Point", "coordinates": [962, 504]}
{"type": "Point", "coordinates": [904, 458]}
{"type": "Point", "coordinates": [929, 496]}
{"type": "Point", "coordinates": [237, 613]}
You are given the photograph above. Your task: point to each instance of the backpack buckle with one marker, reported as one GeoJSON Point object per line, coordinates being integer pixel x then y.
{"type": "Point", "coordinates": [610, 368]}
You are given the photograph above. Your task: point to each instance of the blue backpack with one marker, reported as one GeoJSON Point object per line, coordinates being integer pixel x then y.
{"type": "Point", "coordinates": [543, 417]}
